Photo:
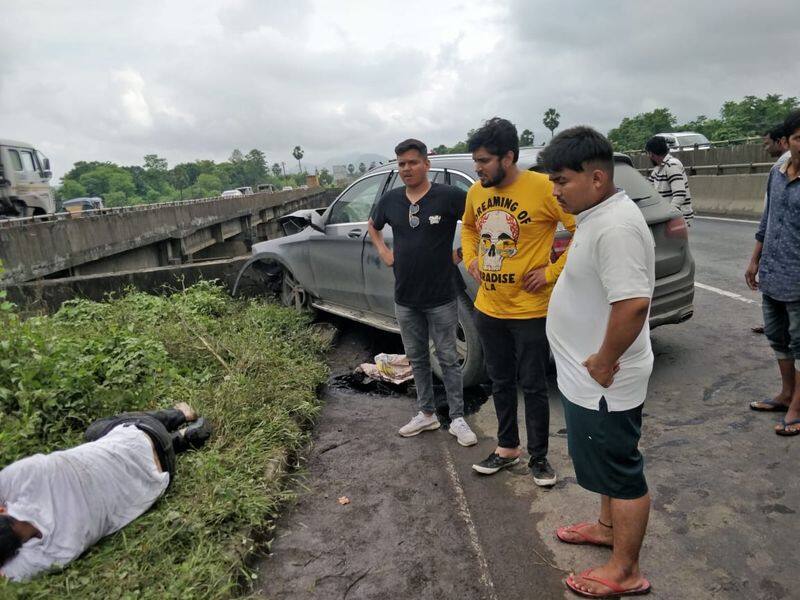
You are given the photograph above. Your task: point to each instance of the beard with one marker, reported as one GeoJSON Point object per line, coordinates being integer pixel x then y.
{"type": "Point", "coordinates": [497, 179]}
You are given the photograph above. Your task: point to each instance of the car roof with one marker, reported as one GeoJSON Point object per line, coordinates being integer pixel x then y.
{"type": "Point", "coordinates": [16, 143]}
{"type": "Point", "coordinates": [528, 158]}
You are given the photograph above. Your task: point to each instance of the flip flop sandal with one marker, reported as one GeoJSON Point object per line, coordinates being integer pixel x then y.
{"type": "Point", "coordinates": [583, 538]}
{"type": "Point", "coordinates": [617, 591]}
{"type": "Point", "coordinates": [787, 432]}
{"type": "Point", "coordinates": [771, 406]}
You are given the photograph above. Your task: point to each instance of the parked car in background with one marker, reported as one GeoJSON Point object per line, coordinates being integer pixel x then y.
{"type": "Point", "coordinates": [246, 190]}
{"type": "Point", "coordinates": [287, 188]}
{"type": "Point", "coordinates": [266, 187]}
{"type": "Point", "coordinates": [685, 140]}
{"type": "Point", "coordinates": [327, 261]}
{"type": "Point", "coordinates": [231, 194]}
{"type": "Point", "coordinates": [78, 205]}
{"type": "Point", "coordinates": [24, 181]}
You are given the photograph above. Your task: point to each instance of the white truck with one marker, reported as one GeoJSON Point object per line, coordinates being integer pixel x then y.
{"type": "Point", "coordinates": [24, 181]}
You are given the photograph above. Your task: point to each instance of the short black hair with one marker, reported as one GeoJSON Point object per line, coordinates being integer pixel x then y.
{"type": "Point", "coordinates": [411, 144]}
{"type": "Point", "coordinates": [576, 147]}
{"type": "Point", "coordinates": [9, 542]}
{"type": "Point", "coordinates": [776, 132]}
{"type": "Point", "coordinates": [657, 145]}
{"type": "Point", "coordinates": [792, 123]}
{"type": "Point", "coordinates": [498, 136]}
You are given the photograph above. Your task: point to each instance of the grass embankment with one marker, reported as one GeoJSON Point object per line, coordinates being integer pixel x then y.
{"type": "Point", "coordinates": [251, 368]}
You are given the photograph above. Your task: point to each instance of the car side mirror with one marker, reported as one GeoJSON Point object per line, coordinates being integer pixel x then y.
{"type": "Point", "coordinates": [47, 164]}
{"type": "Point", "coordinates": [316, 222]}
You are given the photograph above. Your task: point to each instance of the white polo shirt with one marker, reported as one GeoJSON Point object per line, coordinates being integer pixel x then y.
{"type": "Point", "coordinates": [611, 258]}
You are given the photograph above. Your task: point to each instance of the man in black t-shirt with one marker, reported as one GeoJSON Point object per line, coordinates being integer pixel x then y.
{"type": "Point", "coordinates": [423, 219]}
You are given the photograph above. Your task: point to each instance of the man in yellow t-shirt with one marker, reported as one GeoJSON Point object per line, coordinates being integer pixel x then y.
{"type": "Point", "coordinates": [507, 233]}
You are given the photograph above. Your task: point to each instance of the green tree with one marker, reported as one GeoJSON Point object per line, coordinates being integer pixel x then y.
{"type": "Point", "coordinates": [351, 168]}
{"type": "Point", "coordinates": [362, 168]}
{"type": "Point", "coordinates": [551, 120]}
{"type": "Point", "coordinates": [298, 154]}
{"type": "Point", "coordinates": [325, 177]}
{"type": "Point", "coordinates": [633, 132]}
{"type": "Point", "coordinates": [526, 139]}
{"type": "Point", "coordinates": [207, 186]}
{"type": "Point", "coordinates": [276, 169]}
{"type": "Point", "coordinates": [255, 167]}
{"type": "Point", "coordinates": [71, 189]}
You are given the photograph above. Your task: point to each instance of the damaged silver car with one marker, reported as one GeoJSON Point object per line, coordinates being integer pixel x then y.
{"type": "Point", "coordinates": [326, 260]}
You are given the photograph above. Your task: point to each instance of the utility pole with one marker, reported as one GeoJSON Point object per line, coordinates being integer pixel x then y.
{"type": "Point", "coordinates": [283, 164]}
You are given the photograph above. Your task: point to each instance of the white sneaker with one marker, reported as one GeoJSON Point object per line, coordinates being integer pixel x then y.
{"type": "Point", "coordinates": [421, 422]}
{"type": "Point", "coordinates": [463, 433]}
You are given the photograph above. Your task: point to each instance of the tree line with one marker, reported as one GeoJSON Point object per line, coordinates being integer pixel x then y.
{"type": "Point", "coordinates": [155, 181]}
{"type": "Point", "coordinates": [749, 117]}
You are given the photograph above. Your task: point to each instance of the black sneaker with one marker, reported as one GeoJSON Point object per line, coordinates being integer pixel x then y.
{"type": "Point", "coordinates": [543, 473]}
{"type": "Point", "coordinates": [196, 433]}
{"type": "Point", "coordinates": [494, 463]}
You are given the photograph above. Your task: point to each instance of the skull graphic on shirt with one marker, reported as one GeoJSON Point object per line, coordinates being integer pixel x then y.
{"type": "Point", "coordinates": [499, 233]}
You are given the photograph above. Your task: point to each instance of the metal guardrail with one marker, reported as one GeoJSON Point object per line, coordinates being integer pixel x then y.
{"type": "Point", "coordinates": [718, 144]}
{"type": "Point", "coordinates": [720, 169]}
{"type": "Point", "coordinates": [64, 216]}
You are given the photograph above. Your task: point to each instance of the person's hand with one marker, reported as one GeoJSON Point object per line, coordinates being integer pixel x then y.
{"type": "Point", "coordinates": [601, 371]}
{"type": "Point", "coordinates": [534, 280]}
{"type": "Point", "coordinates": [457, 256]}
{"type": "Point", "coordinates": [387, 256]}
{"type": "Point", "coordinates": [474, 270]}
{"type": "Point", "coordinates": [750, 275]}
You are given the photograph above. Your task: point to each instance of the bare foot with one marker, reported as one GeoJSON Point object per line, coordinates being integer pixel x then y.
{"type": "Point", "coordinates": [589, 581]}
{"type": "Point", "coordinates": [508, 452]}
{"type": "Point", "coordinates": [188, 411]}
{"type": "Point", "coordinates": [587, 533]}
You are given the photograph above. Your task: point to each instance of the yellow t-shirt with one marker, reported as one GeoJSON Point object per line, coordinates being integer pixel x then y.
{"type": "Point", "coordinates": [510, 230]}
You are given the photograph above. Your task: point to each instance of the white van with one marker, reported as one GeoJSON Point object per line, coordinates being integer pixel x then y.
{"type": "Point", "coordinates": [24, 181]}
{"type": "Point", "coordinates": [231, 194]}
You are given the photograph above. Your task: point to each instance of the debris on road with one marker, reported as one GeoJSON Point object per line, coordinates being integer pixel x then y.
{"type": "Point", "coordinates": [392, 368]}
{"type": "Point", "coordinates": [344, 500]}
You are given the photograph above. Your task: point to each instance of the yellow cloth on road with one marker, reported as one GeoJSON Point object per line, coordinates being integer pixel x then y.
{"type": "Point", "coordinates": [510, 230]}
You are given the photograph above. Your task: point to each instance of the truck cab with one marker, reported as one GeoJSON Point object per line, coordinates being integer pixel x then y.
{"type": "Point", "coordinates": [24, 181]}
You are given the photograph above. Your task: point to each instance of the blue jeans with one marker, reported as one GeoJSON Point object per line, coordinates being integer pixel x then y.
{"type": "Point", "coordinates": [782, 328]}
{"type": "Point", "coordinates": [439, 324]}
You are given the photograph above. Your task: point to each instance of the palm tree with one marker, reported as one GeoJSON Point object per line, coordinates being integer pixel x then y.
{"type": "Point", "coordinates": [298, 154]}
{"type": "Point", "coordinates": [550, 120]}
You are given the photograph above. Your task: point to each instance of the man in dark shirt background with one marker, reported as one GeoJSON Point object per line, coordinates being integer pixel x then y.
{"type": "Point", "coordinates": [423, 219]}
{"type": "Point", "coordinates": [775, 271]}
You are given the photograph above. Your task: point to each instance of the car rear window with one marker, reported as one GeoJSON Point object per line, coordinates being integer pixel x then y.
{"type": "Point", "coordinates": [630, 180]}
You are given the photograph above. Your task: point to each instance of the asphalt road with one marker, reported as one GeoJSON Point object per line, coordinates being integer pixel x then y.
{"type": "Point", "coordinates": [421, 524]}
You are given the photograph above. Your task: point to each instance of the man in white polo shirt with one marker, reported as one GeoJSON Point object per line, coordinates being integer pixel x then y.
{"type": "Point", "coordinates": [598, 331]}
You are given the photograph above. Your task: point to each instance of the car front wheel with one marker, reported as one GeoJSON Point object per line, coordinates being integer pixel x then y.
{"type": "Point", "coordinates": [293, 295]}
{"type": "Point", "coordinates": [468, 344]}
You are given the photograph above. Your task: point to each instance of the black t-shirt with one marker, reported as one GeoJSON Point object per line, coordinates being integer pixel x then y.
{"type": "Point", "coordinates": [423, 255]}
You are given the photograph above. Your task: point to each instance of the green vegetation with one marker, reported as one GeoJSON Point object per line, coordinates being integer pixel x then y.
{"type": "Point", "coordinates": [252, 368]}
{"type": "Point", "coordinates": [749, 117]}
{"type": "Point", "coordinates": [156, 182]}
{"type": "Point", "coordinates": [551, 120]}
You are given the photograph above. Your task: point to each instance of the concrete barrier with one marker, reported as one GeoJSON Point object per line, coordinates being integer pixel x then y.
{"type": "Point", "coordinates": [729, 195]}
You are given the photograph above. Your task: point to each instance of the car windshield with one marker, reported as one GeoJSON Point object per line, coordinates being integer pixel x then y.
{"type": "Point", "coordinates": [691, 140]}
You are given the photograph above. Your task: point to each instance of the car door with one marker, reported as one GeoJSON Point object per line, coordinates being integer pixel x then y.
{"type": "Point", "coordinates": [378, 278]}
{"type": "Point", "coordinates": [336, 256]}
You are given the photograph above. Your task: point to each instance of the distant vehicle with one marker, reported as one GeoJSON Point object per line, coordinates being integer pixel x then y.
{"type": "Point", "coordinates": [327, 260]}
{"type": "Point", "coordinates": [266, 187]}
{"type": "Point", "coordinates": [686, 140]}
{"type": "Point", "coordinates": [79, 205]}
{"type": "Point", "coordinates": [24, 181]}
{"type": "Point", "coordinates": [246, 190]}
{"type": "Point", "coordinates": [231, 194]}
{"type": "Point", "coordinates": [303, 187]}
{"type": "Point", "coordinates": [287, 188]}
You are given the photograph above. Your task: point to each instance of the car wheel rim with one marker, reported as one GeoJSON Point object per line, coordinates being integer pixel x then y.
{"type": "Point", "coordinates": [292, 293]}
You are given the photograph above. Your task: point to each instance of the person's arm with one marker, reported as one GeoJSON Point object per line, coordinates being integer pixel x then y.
{"type": "Point", "coordinates": [624, 325]}
{"type": "Point", "coordinates": [625, 268]}
{"type": "Point", "coordinates": [387, 256]}
{"type": "Point", "coordinates": [677, 184]}
{"type": "Point", "coordinates": [751, 273]}
{"type": "Point", "coordinates": [470, 239]}
{"type": "Point", "coordinates": [537, 279]}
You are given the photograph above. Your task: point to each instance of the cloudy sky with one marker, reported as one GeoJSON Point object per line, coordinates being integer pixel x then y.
{"type": "Point", "coordinates": [116, 80]}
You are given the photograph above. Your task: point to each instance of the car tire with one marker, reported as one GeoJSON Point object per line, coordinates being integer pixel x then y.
{"type": "Point", "coordinates": [473, 370]}
{"type": "Point", "coordinates": [292, 294]}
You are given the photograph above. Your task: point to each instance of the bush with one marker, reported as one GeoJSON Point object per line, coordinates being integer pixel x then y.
{"type": "Point", "coordinates": [251, 368]}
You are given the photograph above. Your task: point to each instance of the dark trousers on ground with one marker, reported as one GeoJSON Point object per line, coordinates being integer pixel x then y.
{"type": "Point", "coordinates": [159, 425]}
{"type": "Point", "coordinates": [516, 351]}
